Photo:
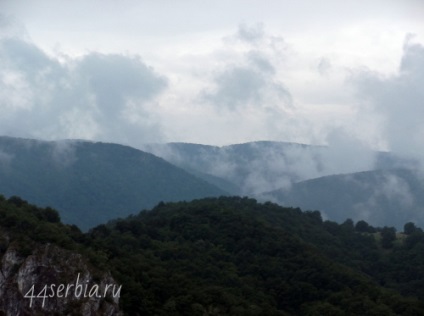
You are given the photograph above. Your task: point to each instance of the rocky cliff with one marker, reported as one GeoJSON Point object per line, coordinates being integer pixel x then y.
{"type": "Point", "coordinates": [49, 280]}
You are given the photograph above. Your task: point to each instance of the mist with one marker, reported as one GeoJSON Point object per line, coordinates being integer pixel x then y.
{"type": "Point", "coordinates": [260, 167]}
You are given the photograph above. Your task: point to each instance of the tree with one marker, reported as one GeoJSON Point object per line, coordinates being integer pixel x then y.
{"type": "Point", "coordinates": [348, 225]}
{"type": "Point", "coordinates": [388, 235]}
{"type": "Point", "coordinates": [316, 215]}
{"type": "Point", "coordinates": [364, 227]}
{"type": "Point", "coordinates": [409, 228]}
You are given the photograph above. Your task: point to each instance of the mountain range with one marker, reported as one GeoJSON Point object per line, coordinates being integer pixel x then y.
{"type": "Point", "coordinates": [216, 255]}
{"type": "Point", "coordinates": [92, 182]}
{"type": "Point", "coordinates": [378, 187]}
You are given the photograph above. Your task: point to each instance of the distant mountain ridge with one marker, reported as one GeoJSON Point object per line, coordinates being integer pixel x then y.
{"type": "Point", "coordinates": [92, 182]}
{"type": "Point", "coordinates": [340, 182]}
{"type": "Point", "coordinates": [262, 166]}
{"type": "Point", "coordinates": [249, 168]}
{"type": "Point", "coordinates": [391, 197]}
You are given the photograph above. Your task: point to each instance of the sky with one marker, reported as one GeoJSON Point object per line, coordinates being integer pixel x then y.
{"type": "Point", "coordinates": [215, 72]}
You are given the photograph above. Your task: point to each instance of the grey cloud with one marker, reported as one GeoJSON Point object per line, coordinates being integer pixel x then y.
{"type": "Point", "coordinates": [243, 86]}
{"type": "Point", "coordinates": [324, 66]}
{"type": "Point", "coordinates": [106, 97]}
{"type": "Point", "coordinates": [4, 21]}
{"type": "Point", "coordinates": [25, 57]}
{"type": "Point", "coordinates": [114, 78]}
{"type": "Point", "coordinates": [121, 86]}
{"type": "Point", "coordinates": [238, 86]}
{"type": "Point", "coordinates": [391, 201]}
{"type": "Point", "coordinates": [250, 84]}
{"type": "Point", "coordinates": [27, 80]}
{"type": "Point", "coordinates": [413, 61]}
{"type": "Point", "coordinates": [345, 154]}
{"type": "Point", "coordinates": [9, 27]}
{"type": "Point", "coordinates": [252, 79]}
{"type": "Point", "coordinates": [251, 34]}
{"type": "Point", "coordinates": [397, 188]}
{"type": "Point", "coordinates": [260, 61]}
{"type": "Point", "coordinates": [398, 100]}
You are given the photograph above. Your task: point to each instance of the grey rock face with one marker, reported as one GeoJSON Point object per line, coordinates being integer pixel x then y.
{"type": "Point", "coordinates": [54, 281]}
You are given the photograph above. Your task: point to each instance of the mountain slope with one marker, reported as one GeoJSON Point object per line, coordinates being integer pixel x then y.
{"type": "Point", "coordinates": [263, 166]}
{"type": "Point", "coordinates": [381, 197]}
{"type": "Point", "coordinates": [250, 168]}
{"type": "Point", "coordinates": [234, 256]}
{"type": "Point", "coordinates": [91, 183]}
{"type": "Point", "coordinates": [215, 256]}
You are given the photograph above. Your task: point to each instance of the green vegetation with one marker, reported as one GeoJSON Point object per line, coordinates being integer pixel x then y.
{"type": "Point", "coordinates": [234, 256]}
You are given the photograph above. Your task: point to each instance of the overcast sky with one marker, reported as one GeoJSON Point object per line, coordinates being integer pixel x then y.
{"type": "Point", "coordinates": [214, 72]}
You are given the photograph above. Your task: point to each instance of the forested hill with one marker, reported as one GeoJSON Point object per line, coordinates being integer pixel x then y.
{"type": "Point", "coordinates": [222, 256]}
{"type": "Point", "coordinates": [234, 256]}
{"type": "Point", "coordinates": [91, 183]}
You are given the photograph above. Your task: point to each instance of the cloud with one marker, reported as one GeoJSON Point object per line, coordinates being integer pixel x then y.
{"type": "Point", "coordinates": [121, 88]}
{"type": "Point", "coordinates": [391, 202]}
{"type": "Point", "coordinates": [97, 96]}
{"type": "Point", "coordinates": [397, 102]}
{"type": "Point", "coordinates": [261, 62]}
{"type": "Point", "coordinates": [238, 86]}
{"type": "Point", "coordinates": [278, 166]}
{"type": "Point", "coordinates": [324, 66]}
{"type": "Point", "coordinates": [115, 78]}
{"type": "Point", "coordinates": [5, 159]}
{"type": "Point", "coordinates": [9, 27]}
{"type": "Point", "coordinates": [260, 167]}
{"type": "Point", "coordinates": [64, 152]}
{"type": "Point", "coordinates": [345, 154]}
{"type": "Point", "coordinates": [251, 34]}
{"type": "Point", "coordinates": [250, 79]}
{"type": "Point", "coordinates": [396, 188]}
{"type": "Point", "coordinates": [251, 85]}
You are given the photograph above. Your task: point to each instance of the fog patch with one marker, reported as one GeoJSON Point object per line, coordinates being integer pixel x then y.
{"type": "Point", "coordinates": [5, 159]}
{"type": "Point", "coordinates": [345, 154]}
{"type": "Point", "coordinates": [64, 152]}
{"type": "Point", "coordinates": [260, 167]}
{"type": "Point", "coordinates": [391, 201]}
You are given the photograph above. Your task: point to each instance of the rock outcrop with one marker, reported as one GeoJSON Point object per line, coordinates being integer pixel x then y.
{"type": "Point", "coordinates": [48, 280]}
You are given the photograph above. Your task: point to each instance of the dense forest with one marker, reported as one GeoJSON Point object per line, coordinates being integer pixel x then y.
{"type": "Point", "coordinates": [235, 256]}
